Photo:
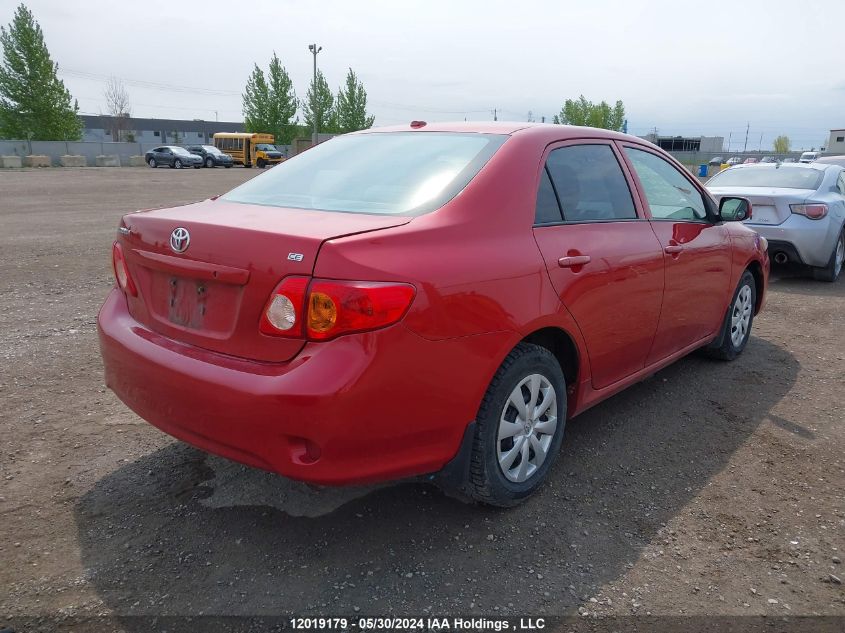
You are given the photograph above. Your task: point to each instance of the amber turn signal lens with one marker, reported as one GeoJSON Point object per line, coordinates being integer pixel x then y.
{"type": "Point", "coordinates": [322, 312]}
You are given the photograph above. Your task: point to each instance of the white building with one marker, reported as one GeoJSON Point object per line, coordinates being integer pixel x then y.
{"type": "Point", "coordinates": [836, 142]}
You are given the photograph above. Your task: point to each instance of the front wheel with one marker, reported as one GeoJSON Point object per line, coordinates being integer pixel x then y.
{"type": "Point", "coordinates": [834, 264]}
{"type": "Point", "coordinates": [736, 328]}
{"type": "Point", "coordinates": [519, 428]}
{"type": "Point", "coordinates": [261, 163]}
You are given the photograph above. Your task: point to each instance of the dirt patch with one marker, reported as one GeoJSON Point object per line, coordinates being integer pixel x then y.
{"type": "Point", "coordinates": [710, 488]}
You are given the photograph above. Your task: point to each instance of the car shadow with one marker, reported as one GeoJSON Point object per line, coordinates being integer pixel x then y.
{"type": "Point", "coordinates": [796, 280]}
{"type": "Point", "coordinates": [178, 533]}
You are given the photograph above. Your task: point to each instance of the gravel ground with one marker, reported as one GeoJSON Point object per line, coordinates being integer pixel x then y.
{"type": "Point", "coordinates": [708, 489]}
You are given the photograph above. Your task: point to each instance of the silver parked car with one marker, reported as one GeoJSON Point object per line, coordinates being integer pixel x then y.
{"type": "Point", "coordinates": [798, 208]}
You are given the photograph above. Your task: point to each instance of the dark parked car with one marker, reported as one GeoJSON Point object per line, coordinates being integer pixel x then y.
{"type": "Point", "coordinates": [211, 156]}
{"type": "Point", "coordinates": [172, 156]}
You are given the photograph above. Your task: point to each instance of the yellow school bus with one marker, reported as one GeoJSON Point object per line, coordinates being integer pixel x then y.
{"type": "Point", "coordinates": [248, 149]}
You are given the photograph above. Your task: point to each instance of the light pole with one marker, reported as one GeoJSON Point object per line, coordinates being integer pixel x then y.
{"type": "Point", "coordinates": [314, 50]}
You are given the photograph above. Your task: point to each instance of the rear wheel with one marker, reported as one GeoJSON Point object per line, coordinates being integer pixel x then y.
{"type": "Point", "coordinates": [177, 164]}
{"type": "Point", "coordinates": [209, 162]}
{"type": "Point", "coordinates": [152, 163]}
{"type": "Point", "coordinates": [519, 428]}
{"type": "Point", "coordinates": [736, 328]}
{"type": "Point", "coordinates": [834, 264]}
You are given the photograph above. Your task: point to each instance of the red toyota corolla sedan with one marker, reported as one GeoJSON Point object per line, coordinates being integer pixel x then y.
{"type": "Point", "coordinates": [431, 299]}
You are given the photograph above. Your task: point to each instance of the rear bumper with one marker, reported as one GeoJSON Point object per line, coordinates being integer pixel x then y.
{"type": "Point", "coordinates": [359, 409]}
{"type": "Point", "coordinates": [802, 240]}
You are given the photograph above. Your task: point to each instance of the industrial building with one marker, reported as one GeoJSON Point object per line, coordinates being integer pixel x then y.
{"type": "Point", "coordinates": [703, 144]}
{"type": "Point", "coordinates": [105, 128]}
{"type": "Point", "coordinates": [836, 142]}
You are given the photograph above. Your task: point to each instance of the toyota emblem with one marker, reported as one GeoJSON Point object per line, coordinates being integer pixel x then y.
{"type": "Point", "coordinates": [180, 239]}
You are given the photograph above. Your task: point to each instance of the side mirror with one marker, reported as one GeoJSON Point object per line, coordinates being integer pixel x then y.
{"type": "Point", "coordinates": [734, 209]}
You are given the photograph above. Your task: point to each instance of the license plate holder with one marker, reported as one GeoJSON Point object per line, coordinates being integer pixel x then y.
{"type": "Point", "coordinates": [187, 305]}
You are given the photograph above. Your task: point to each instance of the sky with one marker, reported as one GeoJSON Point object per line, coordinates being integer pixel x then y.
{"type": "Point", "coordinates": [682, 67]}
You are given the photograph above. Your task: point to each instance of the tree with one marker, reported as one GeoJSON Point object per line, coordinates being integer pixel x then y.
{"type": "Point", "coordinates": [34, 103]}
{"type": "Point", "coordinates": [351, 106]}
{"type": "Point", "coordinates": [319, 105]}
{"type": "Point", "coordinates": [782, 144]}
{"type": "Point", "coordinates": [256, 102]}
{"type": "Point", "coordinates": [601, 115]}
{"type": "Point", "coordinates": [269, 102]}
{"type": "Point", "coordinates": [117, 104]}
{"type": "Point", "coordinates": [283, 103]}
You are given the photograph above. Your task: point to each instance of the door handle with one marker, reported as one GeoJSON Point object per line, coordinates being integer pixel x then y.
{"type": "Point", "coordinates": [673, 249]}
{"type": "Point", "coordinates": [573, 260]}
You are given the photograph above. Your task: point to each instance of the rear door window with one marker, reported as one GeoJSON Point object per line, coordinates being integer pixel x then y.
{"type": "Point", "coordinates": [589, 184]}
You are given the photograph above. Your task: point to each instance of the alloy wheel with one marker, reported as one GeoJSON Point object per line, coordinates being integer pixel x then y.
{"type": "Point", "coordinates": [526, 428]}
{"type": "Point", "coordinates": [840, 256]}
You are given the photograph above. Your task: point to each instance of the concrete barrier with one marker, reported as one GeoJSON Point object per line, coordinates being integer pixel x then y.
{"type": "Point", "coordinates": [37, 160]}
{"type": "Point", "coordinates": [10, 161]}
{"type": "Point", "coordinates": [108, 160]}
{"type": "Point", "coordinates": [73, 160]}
{"type": "Point", "coordinates": [137, 161]}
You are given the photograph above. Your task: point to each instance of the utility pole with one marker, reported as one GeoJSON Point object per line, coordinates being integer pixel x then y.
{"type": "Point", "coordinates": [495, 115]}
{"type": "Point", "coordinates": [730, 134]}
{"type": "Point", "coordinates": [745, 147]}
{"type": "Point", "coordinates": [314, 103]}
{"type": "Point", "coordinates": [761, 143]}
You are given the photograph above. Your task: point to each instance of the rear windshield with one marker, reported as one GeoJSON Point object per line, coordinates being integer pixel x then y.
{"type": "Point", "coordinates": [398, 173]}
{"type": "Point", "coordinates": [786, 177]}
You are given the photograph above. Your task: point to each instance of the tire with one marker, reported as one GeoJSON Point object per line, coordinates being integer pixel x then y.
{"type": "Point", "coordinates": [504, 472]}
{"type": "Point", "coordinates": [732, 338]}
{"type": "Point", "coordinates": [227, 166]}
{"type": "Point", "coordinates": [177, 164]}
{"type": "Point", "coordinates": [261, 163]}
{"type": "Point", "coordinates": [831, 272]}
{"type": "Point", "coordinates": [198, 166]}
{"type": "Point", "coordinates": [209, 162]}
{"type": "Point", "coordinates": [152, 163]}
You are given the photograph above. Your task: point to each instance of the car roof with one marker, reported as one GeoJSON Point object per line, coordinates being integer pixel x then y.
{"type": "Point", "coordinates": [549, 131]}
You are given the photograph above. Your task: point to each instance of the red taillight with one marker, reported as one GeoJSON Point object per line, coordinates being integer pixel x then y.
{"type": "Point", "coordinates": [284, 313]}
{"type": "Point", "coordinates": [341, 307]}
{"type": "Point", "coordinates": [814, 211]}
{"type": "Point", "coordinates": [331, 308]}
{"type": "Point", "coordinates": [121, 271]}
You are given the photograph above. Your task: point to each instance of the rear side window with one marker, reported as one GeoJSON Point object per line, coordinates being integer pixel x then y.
{"type": "Point", "coordinates": [547, 209]}
{"type": "Point", "coordinates": [670, 195]}
{"type": "Point", "coordinates": [589, 183]}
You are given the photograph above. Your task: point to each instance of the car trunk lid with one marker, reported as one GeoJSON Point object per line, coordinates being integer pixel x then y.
{"type": "Point", "coordinates": [770, 205]}
{"type": "Point", "coordinates": [213, 293]}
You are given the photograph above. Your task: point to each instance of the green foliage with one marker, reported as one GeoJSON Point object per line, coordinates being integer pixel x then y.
{"type": "Point", "coordinates": [351, 106]}
{"type": "Point", "coordinates": [34, 103]}
{"type": "Point", "coordinates": [269, 103]}
{"type": "Point", "coordinates": [601, 115]}
{"type": "Point", "coordinates": [782, 144]}
{"type": "Point", "coordinates": [319, 105]}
